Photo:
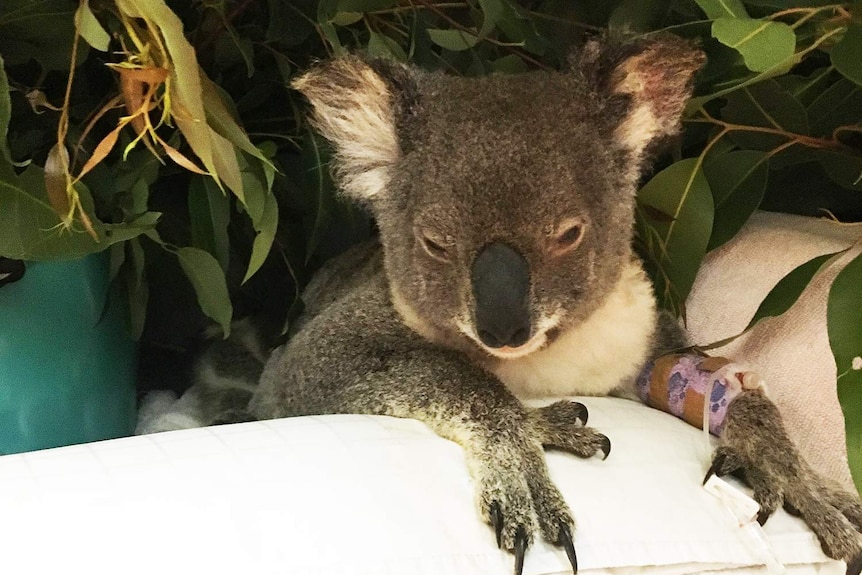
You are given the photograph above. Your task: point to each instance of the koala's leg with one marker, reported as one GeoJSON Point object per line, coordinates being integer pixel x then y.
{"type": "Point", "coordinates": [755, 444]}
{"type": "Point", "coordinates": [346, 361]}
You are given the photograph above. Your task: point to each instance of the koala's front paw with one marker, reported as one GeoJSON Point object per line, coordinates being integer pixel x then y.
{"type": "Point", "coordinates": [561, 426]}
{"type": "Point", "coordinates": [517, 497]}
{"type": "Point", "coordinates": [755, 443]}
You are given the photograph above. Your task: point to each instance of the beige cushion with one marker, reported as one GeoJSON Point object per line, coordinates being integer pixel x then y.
{"type": "Point", "coordinates": [790, 351]}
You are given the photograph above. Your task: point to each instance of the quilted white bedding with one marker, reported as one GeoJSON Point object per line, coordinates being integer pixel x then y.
{"type": "Point", "coordinates": [351, 495]}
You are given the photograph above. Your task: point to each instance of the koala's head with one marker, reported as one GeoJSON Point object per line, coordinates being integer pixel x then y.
{"type": "Point", "coordinates": [505, 203]}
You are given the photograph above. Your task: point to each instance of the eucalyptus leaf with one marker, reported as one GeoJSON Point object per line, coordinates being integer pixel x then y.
{"type": "Point", "coordinates": [723, 8]}
{"type": "Point", "coordinates": [266, 230]}
{"type": "Point", "coordinates": [838, 105]}
{"type": "Point", "coordinates": [845, 169]}
{"type": "Point", "coordinates": [136, 287]}
{"type": "Point", "coordinates": [763, 44]}
{"type": "Point", "coordinates": [382, 46]}
{"type": "Point", "coordinates": [681, 191]}
{"type": "Point", "coordinates": [765, 105]}
{"type": "Point", "coordinates": [208, 281]}
{"type": "Point", "coordinates": [738, 181]}
{"type": "Point", "coordinates": [788, 289]}
{"type": "Point", "coordinates": [90, 28]}
{"type": "Point", "coordinates": [315, 159]}
{"type": "Point", "coordinates": [846, 54]}
{"type": "Point", "coordinates": [455, 40]}
{"type": "Point", "coordinates": [640, 15]}
{"type": "Point", "coordinates": [844, 316]}
{"type": "Point", "coordinates": [5, 114]}
{"type": "Point", "coordinates": [209, 214]}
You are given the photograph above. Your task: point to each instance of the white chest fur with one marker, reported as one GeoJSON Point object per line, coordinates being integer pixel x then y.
{"type": "Point", "coordinates": [602, 354]}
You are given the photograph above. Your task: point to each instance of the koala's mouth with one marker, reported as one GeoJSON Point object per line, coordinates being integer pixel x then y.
{"type": "Point", "coordinates": [546, 333]}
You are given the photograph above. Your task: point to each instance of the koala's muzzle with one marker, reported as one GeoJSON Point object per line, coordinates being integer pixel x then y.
{"type": "Point", "coordinates": [501, 289]}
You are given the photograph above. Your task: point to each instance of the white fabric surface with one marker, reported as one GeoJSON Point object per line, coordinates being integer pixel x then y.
{"type": "Point", "coordinates": [366, 495]}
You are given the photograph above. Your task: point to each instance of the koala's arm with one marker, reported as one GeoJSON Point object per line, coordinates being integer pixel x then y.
{"type": "Point", "coordinates": [754, 444]}
{"type": "Point", "coordinates": [357, 357]}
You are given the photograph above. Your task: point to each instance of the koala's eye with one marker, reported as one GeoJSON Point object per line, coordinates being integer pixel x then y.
{"type": "Point", "coordinates": [434, 247]}
{"type": "Point", "coordinates": [567, 238]}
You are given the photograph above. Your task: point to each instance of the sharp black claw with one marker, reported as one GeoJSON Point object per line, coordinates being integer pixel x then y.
{"type": "Point", "coordinates": [583, 413]}
{"type": "Point", "coordinates": [520, 550]}
{"type": "Point", "coordinates": [763, 516]}
{"type": "Point", "coordinates": [568, 545]}
{"type": "Point", "coordinates": [855, 566]}
{"type": "Point", "coordinates": [715, 467]}
{"type": "Point", "coordinates": [497, 522]}
{"type": "Point", "coordinates": [605, 447]}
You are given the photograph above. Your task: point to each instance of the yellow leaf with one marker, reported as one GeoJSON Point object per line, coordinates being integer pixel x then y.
{"type": "Point", "coordinates": [102, 149]}
{"type": "Point", "coordinates": [90, 28]}
{"type": "Point", "coordinates": [57, 181]}
{"type": "Point", "coordinates": [180, 159]}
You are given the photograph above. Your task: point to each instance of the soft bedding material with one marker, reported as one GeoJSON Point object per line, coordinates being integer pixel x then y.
{"type": "Point", "coordinates": [351, 494]}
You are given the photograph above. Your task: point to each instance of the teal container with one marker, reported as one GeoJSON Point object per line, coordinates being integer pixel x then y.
{"type": "Point", "coordinates": [67, 365]}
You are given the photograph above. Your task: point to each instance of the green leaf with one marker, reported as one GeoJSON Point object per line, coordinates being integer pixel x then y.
{"type": "Point", "coordinates": [639, 15]}
{"type": "Point", "coordinates": [39, 30]}
{"type": "Point", "coordinates": [844, 316]}
{"type": "Point", "coordinates": [455, 40]}
{"type": "Point", "coordinates": [788, 289]}
{"type": "Point", "coordinates": [5, 114]}
{"type": "Point", "coordinates": [738, 181]}
{"type": "Point", "coordinates": [509, 19]}
{"type": "Point", "coordinates": [763, 44]}
{"type": "Point", "coordinates": [847, 54]}
{"type": "Point", "coordinates": [30, 229]}
{"type": "Point", "coordinates": [320, 190]}
{"type": "Point", "coordinates": [208, 281]}
{"type": "Point", "coordinates": [90, 28]}
{"type": "Point", "coordinates": [266, 230]}
{"type": "Point", "coordinates": [510, 64]}
{"type": "Point", "coordinates": [843, 169]}
{"type": "Point", "coordinates": [838, 105]}
{"type": "Point", "coordinates": [677, 247]}
{"type": "Point", "coordinates": [137, 289]}
{"type": "Point", "coordinates": [766, 105]}
{"type": "Point", "coordinates": [722, 8]}
{"type": "Point", "coordinates": [381, 46]}
{"type": "Point", "coordinates": [365, 5]}
{"type": "Point", "coordinates": [209, 213]}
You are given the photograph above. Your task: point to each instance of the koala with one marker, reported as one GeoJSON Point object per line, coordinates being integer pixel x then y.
{"type": "Point", "coordinates": [504, 270]}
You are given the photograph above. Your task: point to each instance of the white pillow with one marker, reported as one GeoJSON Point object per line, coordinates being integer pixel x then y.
{"type": "Point", "coordinates": [368, 495]}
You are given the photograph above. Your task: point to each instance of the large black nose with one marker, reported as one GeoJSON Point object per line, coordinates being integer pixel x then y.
{"type": "Point", "coordinates": [501, 289]}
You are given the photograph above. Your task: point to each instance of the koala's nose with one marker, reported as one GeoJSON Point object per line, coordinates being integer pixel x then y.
{"type": "Point", "coordinates": [501, 290]}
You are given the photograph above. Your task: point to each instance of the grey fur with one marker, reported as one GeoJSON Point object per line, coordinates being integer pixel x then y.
{"type": "Point", "coordinates": [448, 165]}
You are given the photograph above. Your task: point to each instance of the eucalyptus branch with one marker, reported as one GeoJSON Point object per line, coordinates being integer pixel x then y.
{"type": "Point", "coordinates": [465, 30]}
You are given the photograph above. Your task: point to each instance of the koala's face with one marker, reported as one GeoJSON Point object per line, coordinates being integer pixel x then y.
{"type": "Point", "coordinates": [505, 204]}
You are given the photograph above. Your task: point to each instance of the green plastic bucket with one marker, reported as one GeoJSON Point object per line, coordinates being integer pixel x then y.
{"type": "Point", "coordinates": [67, 365]}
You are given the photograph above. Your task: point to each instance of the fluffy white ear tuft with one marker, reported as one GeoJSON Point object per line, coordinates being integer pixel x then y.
{"type": "Point", "coordinates": [658, 78]}
{"type": "Point", "coordinates": [353, 108]}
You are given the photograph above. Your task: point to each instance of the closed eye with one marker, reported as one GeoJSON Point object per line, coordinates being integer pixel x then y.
{"type": "Point", "coordinates": [434, 247]}
{"type": "Point", "coordinates": [567, 238]}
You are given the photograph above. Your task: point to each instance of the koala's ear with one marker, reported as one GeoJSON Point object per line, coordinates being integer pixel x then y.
{"type": "Point", "coordinates": [655, 75]}
{"type": "Point", "coordinates": [355, 104]}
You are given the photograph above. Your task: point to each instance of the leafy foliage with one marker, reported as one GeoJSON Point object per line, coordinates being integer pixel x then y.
{"type": "Point", "coordinates": [170, 137]}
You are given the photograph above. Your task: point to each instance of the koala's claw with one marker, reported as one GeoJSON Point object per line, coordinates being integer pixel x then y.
{"type": "Point", "coordinates": [566, 543]}
{"type": "Point", "coordinates": [855, 567]}
{"type": "Point", "coordinates": [755, 443]}
{"type": "Point", "coordinates": [497, 522]}
{"type": "Point", "coordinates": [561, 426]}
{"type": "Point", "coordinates": [715, 468]}
{"type": "Point", "coordinates": [583, 413]}
{"type": "Point", "coordinates": [605, 446]}
{"type": "Point", "coordinates": [520, 550]}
